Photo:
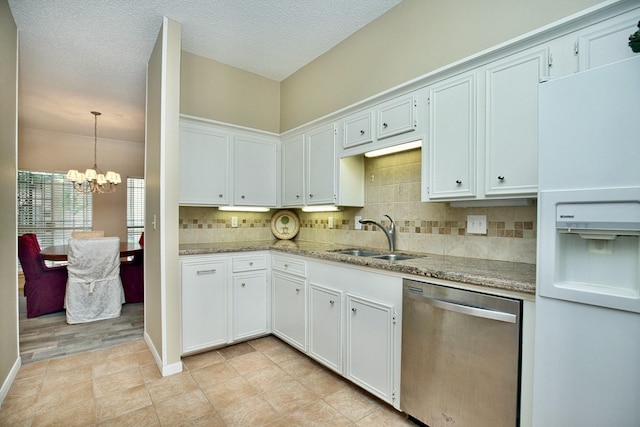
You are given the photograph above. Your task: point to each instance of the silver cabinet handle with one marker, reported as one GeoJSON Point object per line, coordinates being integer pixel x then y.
{"type": "Point", "coordinates": [465, 309]}
{"type": "Point", "coordinates": [297, 289]}
{"type": "Point", "coordinates": [286, 266]}
{"type": "Point", "coordinates": [385, 125]}
{"type": "Point", "coordinates": [250, 263]}
{"type": "Point", "coordinates": [243, 285]}
{"type": "Point", "coordinates": [219, 195]}
{"type": "Point", "coordinates": [354, 309]}
{"type": "Point", "coordinates": [213, 270]}
{"type": "Point", "coordinates": [501, 178]}
{"type": "Point", "coordinates": [311, 196]}
{"type": "Point", "coordinates": [361, 132]}
{"type": "Point", "coordinates": [458, 182]}
{"type": "Point", "coordinates": [332, 302]}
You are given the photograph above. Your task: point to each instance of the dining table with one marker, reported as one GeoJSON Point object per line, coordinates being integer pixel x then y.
{"type": "Point", "coordinates": [59, 252]}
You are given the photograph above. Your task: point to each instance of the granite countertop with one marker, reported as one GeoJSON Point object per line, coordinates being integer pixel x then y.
{"type": "Point", "coordinates": [512, 276]}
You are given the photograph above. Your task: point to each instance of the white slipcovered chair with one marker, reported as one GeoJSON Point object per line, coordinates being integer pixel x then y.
{"type": "Point", "coordinates": [94, 289]}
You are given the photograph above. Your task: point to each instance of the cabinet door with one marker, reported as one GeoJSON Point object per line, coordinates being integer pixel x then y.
{"type": "Point", "coordinates": [293, 171]}
{"type": "Point", "coordinates": [397, 116]}
{"type": "Point", "coordinates": [511, 123]}
{"type": "Point", "coordinates": [358, 129]}
{"type": "Point", "coordinates": [204, 166]}
{"type": "Point", "coordinates": [369, 345]}
{"type": "Point", "coordinates": [321, 165]}
{"type": "Point", "coordinates": [249, 304]}
{"type": "Point", "coordinates": [325, 326]}
{"type": "Point", "coordinates": [452, 138]}
{"type": "Point", "coordinates": [204, 305]}
{"type": "Point", "coordinates": [256, 172]}
{"type": "Point", "coordinates": [289, 310]}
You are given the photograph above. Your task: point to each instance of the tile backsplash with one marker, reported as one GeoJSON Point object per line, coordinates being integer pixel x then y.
{"type": "Point", "coordinates": [392, 187]}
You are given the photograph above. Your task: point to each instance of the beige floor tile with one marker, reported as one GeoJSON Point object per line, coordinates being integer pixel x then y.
{"type": "Point", "coordinates": [236, 350]}
{"type": "Point", "coordinates": [64, 395]}
{"type": "Point", "coordinates": [115, 364]}
{"type": "Point", "coordinates": [210, 419]}
{"type": "Point", "coordinates": [320, 414]}
{"type": "Point", "coordinates": [323, 382]}
{"type": "Point", "coordinates": [143, 417]}
{"type": "Point", "coordinates": [70, 362]}
{"type": "Point", "coordinates": [266, 343]}
{"type": "Point", "coordinates": [250, 362]}
{"type": "Point", "coordinates": [144, 357]}
{"type": "Point", "coordinates": [25, 387]}
{"type": "Point", "coordinates": [353, 403]}
{"type": "Point", "coordinates": [268, 378]}
{"type": "Point", "coordinates": [300, 366]}
{"type": "Point", "coordinates": [150, 372]}
{"type": "Point", "coordinates": [385, 416]}
{"type": "Point", "coordinates": [30, 370]}
{"type": "Point", "coordinates": [119, 403]}
{"type": "Point", "coordinates": [138, 345]}
{"type": "Point", "coordinates": [102, 355]}
{"type": "Point", "coordinates": [171, 387]}
{"type": "Point", "coordinates": [213, 374]}
{"type": "Point", "coordinates": [289, 397]}
{"type": "Point", "coordinates": [55, 379]}
{"type": "Point", "coordinates": [252, 411]}
{"type": "Point", "coordinates": [201, 360]}
{"type": "Point", "coordinates": [281, 353]}
{"type": "Point", "coordinates": [228, 392]}
{"type": "Point", "coordinates": [18, 411]}
{"type": "Point", "coordinates": [80, 414]}
{"type": "Point", "coordinates": [117, 382]}
{"type": "Point", "coordinates": [183, 408]}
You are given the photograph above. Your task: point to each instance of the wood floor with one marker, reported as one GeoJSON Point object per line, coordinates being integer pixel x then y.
{"type": "Point", "coordinates": [49, 336]}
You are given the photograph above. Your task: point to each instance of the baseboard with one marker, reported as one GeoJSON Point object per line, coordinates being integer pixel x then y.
{"type": "Point", "coordinates": [6, 385]}
{"type": "Point", "coordinates": [165, 370]}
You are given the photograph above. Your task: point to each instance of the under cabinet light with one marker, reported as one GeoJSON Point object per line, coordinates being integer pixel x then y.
{"type": "Point", "coordinates": [394, 149]}
{"type": "Point", "coordinates": [321, 208]}
{"type": "Point", "coordinates": [243, 208]}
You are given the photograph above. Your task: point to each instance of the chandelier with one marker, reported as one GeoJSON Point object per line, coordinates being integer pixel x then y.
{"type": "Point", "coordinates": [92, 180]}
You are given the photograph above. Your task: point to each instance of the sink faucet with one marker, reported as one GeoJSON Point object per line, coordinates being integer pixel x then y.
{"type": "Point", "coordinates": [390, 233]}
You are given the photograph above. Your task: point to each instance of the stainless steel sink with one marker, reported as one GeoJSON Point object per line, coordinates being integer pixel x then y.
{"type": "Point", "coordinates": [357, 252]}
{"type": "Point", "coordinates": [394, 257]}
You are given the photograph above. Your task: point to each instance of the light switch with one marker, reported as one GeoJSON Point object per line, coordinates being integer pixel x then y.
{"type": "Point", "coordinates": [234, 222]}
{"type": "Point", "coordinates": [477, 224]}
{"type": "Point", "coordinates": [330, 222]}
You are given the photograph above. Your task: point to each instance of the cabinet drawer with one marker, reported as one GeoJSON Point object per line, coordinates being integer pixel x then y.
{"type": "Point", "coordinates": [249, 263]}
{"type": "Point", "coordinates": [289, 265]}
{"type": "Point", "coordinates": [357, 130]}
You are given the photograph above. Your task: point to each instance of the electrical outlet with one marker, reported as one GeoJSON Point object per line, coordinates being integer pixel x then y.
{"type": "Point", "coordinates": [234, 222]}
{"type": "Point", "coordinates": [330, 222]}
{"type": "Point", "coordinates": [357, 225]}
{"type": "Point", "coordinates": [477, 224]}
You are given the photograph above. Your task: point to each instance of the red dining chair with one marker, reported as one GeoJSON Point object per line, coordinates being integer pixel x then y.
{"type": "Point", "coordinates": [44, 287]}
{"type": "Point", "coordinates": [132, 275]}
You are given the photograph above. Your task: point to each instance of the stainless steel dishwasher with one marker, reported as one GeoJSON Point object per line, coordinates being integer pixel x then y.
{"type": "Point", "coordinates": [460, 357]}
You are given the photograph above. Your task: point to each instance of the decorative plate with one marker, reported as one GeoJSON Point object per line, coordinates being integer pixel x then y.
{"type": "Point", "coordinates": [285, 224]}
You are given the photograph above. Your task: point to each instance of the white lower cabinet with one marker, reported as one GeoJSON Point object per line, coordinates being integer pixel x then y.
{"type": "Point", "coordinates": [224, 299]}
{"type": "Point", "coordinates": [204, 291]}
{"type": "Point", "coordinates": [325, 326]}
{"type": "Point", "coordinates": [369, 345]}
{"type": "Point", "coordinates": [290, 309]}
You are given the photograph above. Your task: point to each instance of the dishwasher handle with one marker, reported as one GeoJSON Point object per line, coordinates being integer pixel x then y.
{"type": "Point", "coordinates": [464, 309]}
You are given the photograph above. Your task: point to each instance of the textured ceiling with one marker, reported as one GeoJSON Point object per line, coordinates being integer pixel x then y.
{"type": "Point", "coordinates": [83, 55]}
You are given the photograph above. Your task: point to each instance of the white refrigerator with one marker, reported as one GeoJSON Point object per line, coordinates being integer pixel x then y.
{"type": "Point", "coordinates": [587, 329]}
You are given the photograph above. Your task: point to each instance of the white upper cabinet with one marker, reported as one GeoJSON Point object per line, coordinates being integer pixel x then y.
{"type": "Point", "coordinates": [511, 123]}
{"type": "Point", "coordinates": [451, 156]}
{"type": "Point", "coordinates": [358, 129]}
{"type": "Point", "coordinates": [256, 172]}
{"type": "Point", "coordinates": [293, 188]}
{"type": "Point", "coordinates": [321, 166]}
{"type": "Point", "coordinates": [397, 116]}
{"type": "Point", "coordinates": [205, 155]}
{"type": "Point", "coordinates": [223, 165]}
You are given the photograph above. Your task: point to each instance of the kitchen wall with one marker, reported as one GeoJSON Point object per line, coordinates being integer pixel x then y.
{"type": "Point", "coordinates": [392, 186]}
{"type": "Point", "coordinates": [40, 150]}
{"type": "Point", "coordinates": [412, 39]}
{"type": "Point", "coordinates": [216, 91]}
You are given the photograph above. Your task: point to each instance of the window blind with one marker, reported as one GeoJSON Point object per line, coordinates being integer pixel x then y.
{"type": "Point", "coordinates": [135, 208]}
{"type": "Point", "coordinates": [49, 207]}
